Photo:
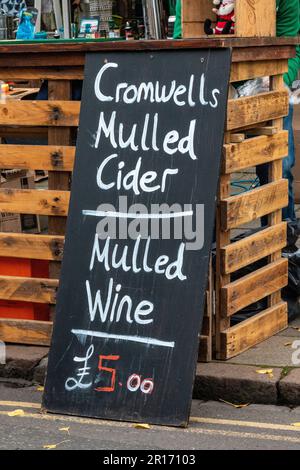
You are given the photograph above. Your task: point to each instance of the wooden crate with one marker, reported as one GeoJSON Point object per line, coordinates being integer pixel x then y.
{"type": "Point", "coordinates": [253, 136]}
{"type": "Point", "coordinates": [269, 145]}
{"type": "Point", "coordinates": [56, 119]}
{"type": "Point", "coordinates": [253, 17]}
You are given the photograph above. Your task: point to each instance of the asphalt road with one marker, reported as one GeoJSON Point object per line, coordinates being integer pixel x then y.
{"type": "Point", "coordinates": [213, 425]}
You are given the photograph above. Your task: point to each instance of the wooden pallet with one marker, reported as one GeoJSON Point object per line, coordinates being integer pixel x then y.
{"type": "Point", "coordinates": [58, 117]}
{"type": "Point", "coordinates": [253, 136]}
{"type": "Point", "coordinates": [265, 144]}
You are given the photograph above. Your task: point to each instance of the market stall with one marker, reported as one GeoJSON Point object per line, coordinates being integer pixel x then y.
{"type": "Point", "coordinates": [253, 136]}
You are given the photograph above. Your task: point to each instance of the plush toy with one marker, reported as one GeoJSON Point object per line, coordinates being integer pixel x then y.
{"type": "Point", "coordinates": [225, 18]}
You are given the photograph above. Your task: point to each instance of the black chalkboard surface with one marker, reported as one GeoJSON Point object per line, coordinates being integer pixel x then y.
{"type": "Point", "coordinates": [140, 226]}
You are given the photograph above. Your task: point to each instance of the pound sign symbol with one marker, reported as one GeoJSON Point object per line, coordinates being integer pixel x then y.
{"type": "Point", "coordinates": [71, 382]}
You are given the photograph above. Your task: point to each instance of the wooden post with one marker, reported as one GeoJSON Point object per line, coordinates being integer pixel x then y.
{"type": "Point", "coordinates": [58, 90]}
{"type": "Point", "coordinates": [275, 174]}
{"type": "Point", "coordinates": [223, 239]}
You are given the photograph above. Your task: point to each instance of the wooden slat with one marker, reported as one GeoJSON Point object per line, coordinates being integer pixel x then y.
{"type": "Point", "coordinates": [253, 331]}
{"type": "Point", "coordinates": [263, 107]}
{"type": "Point", "coordinates": [40, 113]}
{"type": "Point", "coordinates": [21, 132]}
{"type": "Point", "coordinates": [262, 130]}
{"type": "Point", "coordinates": [204, 347]}
{"type": "Point", "coordinates": [255, 18]}
{"type": "Point", "coordinates": [37, 157]}
{"type": "Point", "coordinates": [237, 138]}
{"type": "Point", "coordinates": [28, 289]}
{"type": "Point", "coordinates": [193, 10]}
{"type": "Point", "coordinates": [254, 151]}
{"type": "Point", "coordinates": [23, 245]}
{"type": "Point", "coordinates": [32, 332]}
{"type": "Point", "coordinates": [43, 73]}
{"type": "Point", "coordinates": [239, 254]}
{"type": "Point", "coordinates": [71, 52]}
{"type": "Point", "coordinates": [255, 286]}
{"type": "Point", "coordinates": [245, 207]}
{"type": "Point", "coordinates": [34, 201]}
{"type": "Point", "coordinates": [222, 322]}
{"type": "Point", "coordinates": [274, 174]}
{"type": "Point", "coordinates": [58, 90]}
{"type": "Point", "coordinates": [248, 70]}
{"type": "Point", "coordinates": [262, 53]}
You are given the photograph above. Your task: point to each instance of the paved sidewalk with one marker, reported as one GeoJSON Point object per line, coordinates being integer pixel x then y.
{"type": "Point", "coordinates": [236, 381]}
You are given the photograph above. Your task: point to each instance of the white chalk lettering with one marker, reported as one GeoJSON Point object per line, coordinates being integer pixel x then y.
{"type": "Point", "coordinates": [115, 307]}
{"type": "Point", "coordinates": [155, 92]}
{"type": "Point", "coordinates": [113, 256]}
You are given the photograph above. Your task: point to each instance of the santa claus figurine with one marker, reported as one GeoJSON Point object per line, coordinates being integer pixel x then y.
{"type": "Point", "coordinates": [225, 18]}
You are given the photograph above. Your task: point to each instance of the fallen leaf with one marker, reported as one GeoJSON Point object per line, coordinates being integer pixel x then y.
{"type": "Point", "coordinates": [234, 405]}
{"type": "Point", "coordinates": [65, 430]}
{"type": "Point", "coordinates": [297, 425]}
{"type": "Point", "coordinates": [288, 344]}
{"type": "Point", "coordinates": [16, 413]}
{"type": "Point", "coordinates": [268, 372]}
{"type": "Point", "coordinates": [142, 426]}
{"type": "Point", "coordinates": [40, 389]}
{"type": "Point", "coordinates": [54, 446]}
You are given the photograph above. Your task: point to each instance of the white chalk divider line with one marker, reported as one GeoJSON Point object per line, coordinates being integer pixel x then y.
{"type": "Point", "coordinates": [135, 339]}
{"type": "Point", "coordinates": [128, 215]}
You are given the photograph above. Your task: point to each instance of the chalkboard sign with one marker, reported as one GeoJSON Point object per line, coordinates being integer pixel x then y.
{"type": "Point", "coordinates": [140, 226]}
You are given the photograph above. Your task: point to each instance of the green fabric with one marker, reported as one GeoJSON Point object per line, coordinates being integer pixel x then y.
{"type": "Point", "coordinates": [177, 26]}
{"type": "Point", "coordinates": [288, 24]}
{"type": "Point", "coordinates": [172, 7]}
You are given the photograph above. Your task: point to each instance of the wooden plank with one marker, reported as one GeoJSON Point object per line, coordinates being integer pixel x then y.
{"type": "Point", "coordinates": [243, 336]}
{"type": "Point", "coordinates": [261, 53]}
{"type": "Point", "coordinates": [275, 173]}
{"type": "Point", "coordinates": [23, 245]}
{"type": "Point", "coordinates": [58, 90]}
{"type": "Point", "coordinates": [28, 289]}
{"type": "Point", "coordinates": [245, 207]}
{"type": "Point", "coordinates": [255, 18]}
{"type": "Point", "coordinates": [192, 29]}
{"type": "Point", "coordinates": [254, 151]}
{"type": "Point", "coordinates": [40, 113]}
{"type": "Point", "coordinates": [263, 107]}
{"type": "Point", "coordinates": [43, 73]}
{"type": "Point", "coordinates": [205, 345]}
{"type": "Point", "coordinates": [37, 157]}
{"type": "Point", "coordinates": [69, 53]}
{"type": "Point", "coordinates": [203, 349]}
{"type": "Point", "coordinates": [237, 138]}
{"type": "Point", "coordinates": [193, 10]}
{"type": "Point", "coordinates": [32, 332]}
{"type": "Point", "coordinates": [255, 286]}
{"type": "Point", "coordinates": [21, 132]}
{"type": "Point", "coordinates": [263, 130]}
{"type": "Point", "coordinates": [239, 254]}
{"type": "Point", "coordinates": [222, 322]}
{"type": "Point", "coordinates": [264, 68]}
{"type": "Point", "coordinates": [34, 201]}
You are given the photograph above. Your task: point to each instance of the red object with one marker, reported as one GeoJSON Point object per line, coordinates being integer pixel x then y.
{"type": "Point", "coordinates": [221, 23]}
{"type": "Point", "coordinates": [111, 387]}
{"type": "Point", "coordinates": [20, 267]}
